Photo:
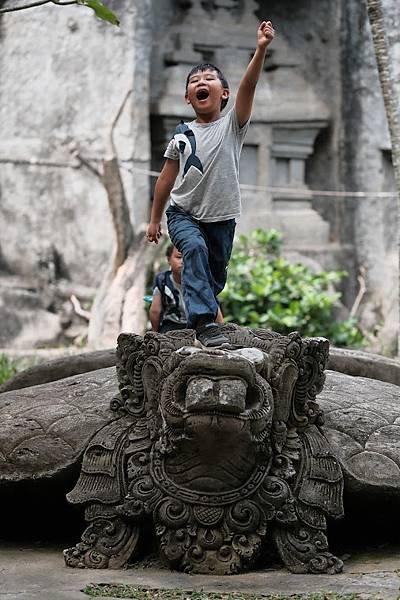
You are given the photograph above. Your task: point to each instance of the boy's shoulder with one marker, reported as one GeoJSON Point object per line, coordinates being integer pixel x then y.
{"type": "Point", "coordinates": [163, 278]}
{"type": "Point", "coordinates": [186, 129]}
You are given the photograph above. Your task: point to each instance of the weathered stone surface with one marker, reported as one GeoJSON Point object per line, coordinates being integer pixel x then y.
{"type": "Point", "coordinates": [36, 573]}
{"type": "Point", "coordinates": [343, 360]}
{"type": "Point", "coordinates": [25, 322]}
{"type": "Point", "coordinates": [346, 402]}
{"type": "Point", "coordinates": [38, 311]}
{"type": "Point", "coordinates": [362, 424]}
{"type": "Point", "coordinates": [71, 86]}
{"type": "Point", "coordinates": [364, 364]}
{"type": "Point", "coordinates": [366, 165]}
{"type": "Point", "coordinates": [60, 368]}
{"type": "Point", "coordinates": [46, 428]}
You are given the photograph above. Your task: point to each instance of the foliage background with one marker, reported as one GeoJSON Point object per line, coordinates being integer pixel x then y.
{"type": "Point", "coordinates": [265, 290]}
{"type": "Point", "coordinates": [7, 368]}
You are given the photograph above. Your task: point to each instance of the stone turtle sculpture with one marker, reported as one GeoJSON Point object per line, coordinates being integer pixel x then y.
{"type": "Point", "coordinates": [46, 428]}
{"type": "Point", "coordinates": [221, 450]}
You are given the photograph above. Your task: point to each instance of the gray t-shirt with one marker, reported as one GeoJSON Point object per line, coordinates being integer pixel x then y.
{"type": "Point", "coordinates": [207, 186]}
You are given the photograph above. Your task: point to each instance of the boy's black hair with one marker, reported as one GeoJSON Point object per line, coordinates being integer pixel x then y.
{"type": "Point", "coordinates": [210, 67]}
{"type": "Point", "coordinates": [169, 250]}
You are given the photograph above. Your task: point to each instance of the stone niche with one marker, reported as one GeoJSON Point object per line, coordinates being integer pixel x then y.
{"type": "Point", "coordinates": [287, 115]}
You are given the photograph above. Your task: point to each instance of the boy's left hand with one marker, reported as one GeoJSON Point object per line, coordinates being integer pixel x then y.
{"type": "Point", "coordinates": [265, 34]}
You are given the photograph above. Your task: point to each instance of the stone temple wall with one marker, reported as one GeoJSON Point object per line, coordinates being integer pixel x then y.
{"type": "Point", "coordinates": [366, 165]}
{"type": "Point", "coordinates": [318, 123]}
{"type": "Point", "coordinates": [64, 74]}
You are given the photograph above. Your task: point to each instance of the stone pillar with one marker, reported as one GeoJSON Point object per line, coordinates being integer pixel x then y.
{"type": "Point", "coordinates": [294, 215]}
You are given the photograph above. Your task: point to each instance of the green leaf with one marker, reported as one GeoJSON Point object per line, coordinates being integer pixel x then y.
{"type": "Point", "coordinates": [265, 290]}
{"type": "Point", "coordinates": [7, 368]}
{"type": "Point", "coordinates": [101, 11]}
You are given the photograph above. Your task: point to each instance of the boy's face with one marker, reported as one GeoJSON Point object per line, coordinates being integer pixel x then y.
{"type": "Point", "coordinates": [175, 262]}
{"type": "Point", "coordinates": [205, 92]}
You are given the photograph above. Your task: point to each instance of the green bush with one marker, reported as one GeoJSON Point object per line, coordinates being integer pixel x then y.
{"type": "Point", "coordinates": [7, 368]}
{"type": "Point", "coordinates": [266, 290]}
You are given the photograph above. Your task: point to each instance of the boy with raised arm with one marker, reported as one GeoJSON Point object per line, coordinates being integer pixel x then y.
{"type": "Point", "coordinates": [201, 177]}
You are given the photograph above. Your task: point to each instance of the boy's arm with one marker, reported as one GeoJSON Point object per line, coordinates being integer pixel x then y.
{"type": "Point", "coordinates": [247, 86]}
{"type": "Point", "coordinates": [155, 312]}
{"type": "Point", "coordinates": [162, 190]}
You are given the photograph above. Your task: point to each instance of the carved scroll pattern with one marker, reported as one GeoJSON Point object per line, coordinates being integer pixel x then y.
{"type": "Point", "coordinates": [292, 485]}
{"type": "Point", "coordinates": [213, 533]}
{"type": "Point", "coordinates": [106, 543]}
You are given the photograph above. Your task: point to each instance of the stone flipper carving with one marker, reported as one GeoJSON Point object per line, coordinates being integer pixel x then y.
{"type": "Point", "coordinates": [220, 450]}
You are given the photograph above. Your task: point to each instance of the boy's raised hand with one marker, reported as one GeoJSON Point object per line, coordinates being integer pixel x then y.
{"type": "Point", "coordinates": [265, 34]}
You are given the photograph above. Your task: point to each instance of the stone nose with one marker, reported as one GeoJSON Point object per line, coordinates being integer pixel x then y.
{"type": "Point", "coordinates": [227, 395]}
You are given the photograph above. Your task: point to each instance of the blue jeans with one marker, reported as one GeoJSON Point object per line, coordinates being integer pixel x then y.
{"type": "Point", "coordinates": [206, 249]}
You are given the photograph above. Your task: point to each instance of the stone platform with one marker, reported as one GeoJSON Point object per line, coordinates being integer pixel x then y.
{"type": "Point", "coordinates": [39, 573]}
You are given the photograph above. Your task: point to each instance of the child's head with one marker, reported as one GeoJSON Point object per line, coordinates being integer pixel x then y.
{"type": "Point", "coordinates": [174, 258]}
{"type": "Point", "coordinates": [206, 84]}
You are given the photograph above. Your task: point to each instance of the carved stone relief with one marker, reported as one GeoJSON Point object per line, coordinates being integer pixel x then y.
{"type": "Point", "coordinates": [221, 450]}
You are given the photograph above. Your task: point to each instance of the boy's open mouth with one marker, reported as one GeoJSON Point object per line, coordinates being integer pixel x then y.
{"type": "Point", "coordinates": [202, 94]}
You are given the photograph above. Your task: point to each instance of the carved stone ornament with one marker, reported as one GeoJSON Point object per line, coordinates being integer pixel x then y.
{"type": "Point", "coordinates": [221, 449]}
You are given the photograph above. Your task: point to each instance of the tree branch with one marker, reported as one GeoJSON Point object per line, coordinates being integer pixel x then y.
{"type": "Point", "coordinates": [361, 292]}
{"type": "Point", "coordinates": [88, 165]}
{"type": "Point", "coordinates": [85, 314]}
{"type": "Point", "coordinates": [111, 179]}
{"type": "Point", "coordinates": [113, 184]}
{"type": "Point", "coordinates": [38, 3]}
{"type": "Point", "coordinates": [115, 121]}
{"type": "Point", "coordinates": [14, 8]}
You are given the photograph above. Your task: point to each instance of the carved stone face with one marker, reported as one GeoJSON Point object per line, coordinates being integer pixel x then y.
{"type": "Point", "coordinates": [219, 448]}
{"type": "Point", "coordinates": [217, 412]}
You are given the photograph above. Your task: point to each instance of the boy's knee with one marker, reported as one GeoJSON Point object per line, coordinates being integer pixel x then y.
{"type": "Point", "coordinates": [194, 246]}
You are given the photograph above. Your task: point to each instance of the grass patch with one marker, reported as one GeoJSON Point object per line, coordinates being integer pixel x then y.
{"type": "Point", "coordinates": [137, 593]}
{"type": "Point", "coordinates": [7, 368]}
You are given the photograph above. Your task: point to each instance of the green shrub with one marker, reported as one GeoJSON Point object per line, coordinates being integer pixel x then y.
{"type": "Point", "coordinates": [7, 368]}
{"type": "Point", "coordinates": [266, 290]}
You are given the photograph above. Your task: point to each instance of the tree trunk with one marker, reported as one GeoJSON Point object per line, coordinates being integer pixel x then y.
{"type": "Point", "coordinates": [119, 304]}
{"type": "Point", "coordinates": [124, 236]}
{"type": "Point", "coordinates": [381, 47]}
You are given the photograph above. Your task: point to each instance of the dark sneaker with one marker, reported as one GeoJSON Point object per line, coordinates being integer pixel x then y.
{"type": "Point", "coordinates": [209, 335]}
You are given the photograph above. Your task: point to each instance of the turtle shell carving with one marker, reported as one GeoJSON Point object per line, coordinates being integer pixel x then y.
{"type": "Point", "coordinates": [46, 428]}
{"type": "Point", "coordinates": [362, 424]}
{"type": "Point", "coordinates": [220, 449]}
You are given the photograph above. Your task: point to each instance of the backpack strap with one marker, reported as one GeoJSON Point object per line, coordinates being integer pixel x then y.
{"type": "Point", "coordinates": [169, 283]}
{"type": "Point", "coordinates": [164, 280]}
